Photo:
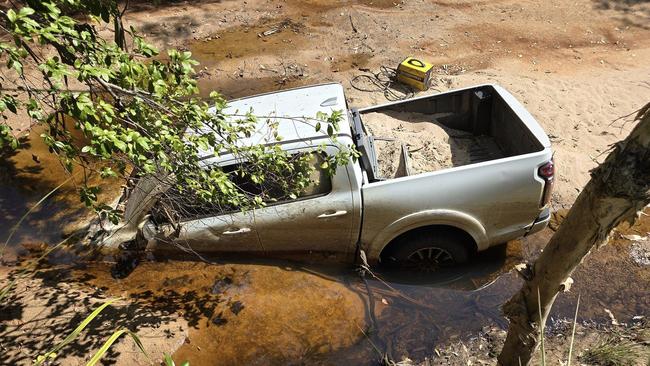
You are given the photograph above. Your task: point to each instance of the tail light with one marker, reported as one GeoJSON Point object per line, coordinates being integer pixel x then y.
{"type": "Point", "coordinates": [547, 172]}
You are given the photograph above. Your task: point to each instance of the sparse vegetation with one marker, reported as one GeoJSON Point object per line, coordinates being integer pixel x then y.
{"type": "Point", "coordinates": [170, 362]}
{"type": "Point", "coordinates": [53, 353]}
{"type": "Point", "coordinates": [613, 351]}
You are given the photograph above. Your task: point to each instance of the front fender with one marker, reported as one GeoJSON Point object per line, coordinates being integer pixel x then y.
{"type": "Point", "coordinates": [416, 220]}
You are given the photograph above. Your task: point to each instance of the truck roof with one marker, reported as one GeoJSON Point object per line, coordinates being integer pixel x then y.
{"type": "Point", "coordinates": [294, 110]}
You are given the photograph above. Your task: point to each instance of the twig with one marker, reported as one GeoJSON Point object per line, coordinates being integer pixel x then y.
{"type": "Point", "coordinates": [384, 138]}
{"type": "Point", "coordinates": [354, 29]}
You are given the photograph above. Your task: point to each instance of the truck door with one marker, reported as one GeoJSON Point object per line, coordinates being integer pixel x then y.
{"type": "Point", "coordinates": [202, 228]}
{"type": "Point", "coordinates": [233, 232]}
{"type": "Point", "coordinates": [321, 219]}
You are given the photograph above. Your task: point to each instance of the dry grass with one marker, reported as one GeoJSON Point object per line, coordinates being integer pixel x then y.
{"type": "Point", "coordinates": [613, 351]}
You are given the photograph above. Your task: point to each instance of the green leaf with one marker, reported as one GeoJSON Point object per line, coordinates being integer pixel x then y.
{"type": "Point", "coordinates": [16, 65]}
{"type": "Point", "coordinates": [77, 330]}
{"type": "Point", "coordinates": [11, 14]}
{"type": "Point", "coordinates": [25, 11]}
{"type": "Point", "coordinates": [168, 360]}
{"type": "Point", "coordinates": [120, 145]}
{"type": "Point", "coordinates": [109, 342]}
{"type": "Point", "coordinates": [142, 141]}
{"type": "Point", "coordinates": [11, 105]}
{"type": "Point", "coordinates": [107, 172]}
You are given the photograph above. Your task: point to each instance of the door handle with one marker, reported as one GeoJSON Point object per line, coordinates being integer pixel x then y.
{"type": "Point", "coordinates": [332, 214]}
{"type": "Point", "coordinates": [238, 231]}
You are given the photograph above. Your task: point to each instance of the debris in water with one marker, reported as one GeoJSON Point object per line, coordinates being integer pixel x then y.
{"type": "Point", "coordinates": [125, 263]}
{"type": "Point", "coordinates": [640, 252]}
{"type": "Point", "coordinates": [566, 285]}
{"type": "Point", "coordinates": [525, 270]}
{"type": "Point", "coordinates": [611, 316]}
{"type": "Point", "coordinates": [221, 285]}
{"type": "Point", "coordinates": [35, 247]}
{"type": "Point", "coordinates": [634, 237]}
{"type": "Point", "coordinates": [183, 280]}
{"type": "Point", "coordinates": [236, 307]}
{"type": "Point", "coordinates": [269, 32]}
{"type": "Point", "coordinates": [219, 320]}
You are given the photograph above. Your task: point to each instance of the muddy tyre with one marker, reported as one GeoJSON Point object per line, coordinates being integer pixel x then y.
{"type": "Point", "coordinates": [428, 252]}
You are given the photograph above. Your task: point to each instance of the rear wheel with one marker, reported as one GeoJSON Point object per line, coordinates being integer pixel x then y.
{"type": "Point", "coordinates": [428, 252]}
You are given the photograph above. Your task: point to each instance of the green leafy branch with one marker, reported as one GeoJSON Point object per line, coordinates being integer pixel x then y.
{"type": "Point", "coordinates": [109, 106]}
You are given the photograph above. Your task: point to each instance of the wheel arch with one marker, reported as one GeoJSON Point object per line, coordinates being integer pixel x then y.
{"type": "Point", "coordinates": [467, 240]}
{"type": "Point", "coordinates": [429, 220]}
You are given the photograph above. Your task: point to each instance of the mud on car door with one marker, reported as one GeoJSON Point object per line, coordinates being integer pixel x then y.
{"type": "Point", "coordinates": [224, 233]}
{"type": "Point", "coordinates": [200, 227]}
{"type": "Point", "coordinates": [320, 219]}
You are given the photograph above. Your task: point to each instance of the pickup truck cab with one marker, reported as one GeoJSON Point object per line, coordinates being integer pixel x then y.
{"type": "Point", "coordinates": [425, 220]}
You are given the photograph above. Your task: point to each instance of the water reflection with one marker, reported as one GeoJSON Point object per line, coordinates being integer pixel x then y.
{"type": "Point", "coordinates": [414, 313]}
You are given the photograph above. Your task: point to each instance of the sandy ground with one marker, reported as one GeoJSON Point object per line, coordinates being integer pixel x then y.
{"type": "Point", "coordinates": [577, 66]}
{"type": "Point", "coordinates": [45, 308]}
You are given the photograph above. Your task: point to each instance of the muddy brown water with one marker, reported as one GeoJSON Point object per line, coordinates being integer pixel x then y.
{"type": "Point", "coordinates": [252, 311]}
{"type": "Point", "coordinates": [26, 176]}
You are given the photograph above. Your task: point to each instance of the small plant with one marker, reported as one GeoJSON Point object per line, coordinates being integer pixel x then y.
{"type": "Point", "coordinates": [170, 362]}
{"type": "Point", "coordinates": [541, 329]}
{"type": "Point", "coordinates": [53, 353]}
{"type": "Point", "coordinates": [541, 334]}
{"type": "Point", "coordinates": [573, 332]}
{"type": "Point", "coordinates": [613, 351]}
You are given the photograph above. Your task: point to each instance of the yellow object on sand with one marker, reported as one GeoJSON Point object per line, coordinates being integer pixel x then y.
{"type": "Point", "coordinates": [414, 72]}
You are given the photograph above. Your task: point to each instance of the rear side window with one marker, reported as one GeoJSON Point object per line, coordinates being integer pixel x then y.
{"type": "Point", "coordinates": [321, 183]}
{"type": "Point", "coordinates": [177, 206]}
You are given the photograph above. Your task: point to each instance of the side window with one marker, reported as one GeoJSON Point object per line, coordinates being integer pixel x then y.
{"type": "Point", "coordinates": [179, 207]}
{"type": "Point", "coordinates": [321, 183]}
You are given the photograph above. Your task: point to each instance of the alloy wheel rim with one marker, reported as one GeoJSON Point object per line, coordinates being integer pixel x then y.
{"type": "Point", "coordinates": [429, 259]}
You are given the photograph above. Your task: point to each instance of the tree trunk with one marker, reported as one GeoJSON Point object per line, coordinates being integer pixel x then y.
{"type": "Point", "coordinates": [618, 190]}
